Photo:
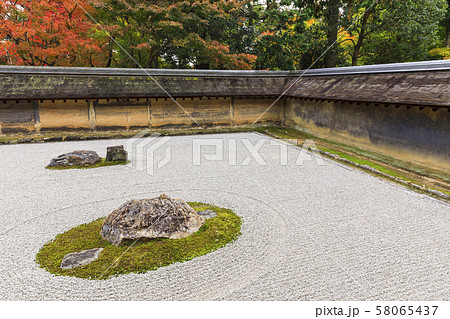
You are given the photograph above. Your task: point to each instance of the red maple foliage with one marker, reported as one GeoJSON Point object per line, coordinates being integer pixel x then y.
{"type": "Point", "coordinates": [220, 57]}
{"type": "Point", "coordinates": [52, 33]}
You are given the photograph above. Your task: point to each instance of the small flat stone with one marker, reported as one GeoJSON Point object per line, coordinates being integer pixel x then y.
{"type": "Point", "coordinates": [207, 213]}
{"type": "Point", "coordinates": [80, 258]}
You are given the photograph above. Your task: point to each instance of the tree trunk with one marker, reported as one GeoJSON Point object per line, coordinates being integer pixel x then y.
{"type": "Point", "coordinates": [332, 20]}
{"type": "Point", "coordinates": [361, 37]}
{"type": "Point", "coordinates": [203, 66]}
{"type": "Point", "coordinates": [447, 40]}
{"type": "Point", "coordinates": [110, 51]}
{"type": "Point", "coordinates": [153, 62]}
{"type": "Point", "coordinates": [355, 58]}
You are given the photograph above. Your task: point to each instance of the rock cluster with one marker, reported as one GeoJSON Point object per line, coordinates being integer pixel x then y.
{"type": "Point", "coordinates": [160, 217]}
{"type": "Point", "coordinates": [76, 158]}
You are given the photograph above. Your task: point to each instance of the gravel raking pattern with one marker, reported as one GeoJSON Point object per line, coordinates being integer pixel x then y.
{"type": "Point", "coordinates": [309, 232]}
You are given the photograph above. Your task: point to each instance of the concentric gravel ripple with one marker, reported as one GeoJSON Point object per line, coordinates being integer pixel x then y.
{"type": "Point", "coordinates": [309, 232]}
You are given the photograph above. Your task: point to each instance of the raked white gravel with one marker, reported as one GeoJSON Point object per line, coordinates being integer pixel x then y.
{"type": "Point", "coordinates": [310, 232]}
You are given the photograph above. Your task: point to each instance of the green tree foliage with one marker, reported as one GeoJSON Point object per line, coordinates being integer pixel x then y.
{"type": "Point", "coordinates": [443, 50]}
{"type": "Point", "coordinates": [361, 19]}
{"type": "Point", "coordinates": [444, 29]}
{"type": "Point", "coordinates": [173, 34]}
{"type": "Point", "coordinates": [314, 49]}
{"type": "Point", "coordinates": [329, 11]}
{"type": "Point", "coordinates": [447, 26]}
{"type": "Point", "coordinates": [403, 31]}
{"type": "Point", "coordinates": [223, 34]}
{"type": "Point", "coordinates": [277, 37]}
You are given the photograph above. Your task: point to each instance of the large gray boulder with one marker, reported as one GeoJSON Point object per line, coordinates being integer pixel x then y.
{"type": "Point", "coordinates": [160, 217]}
{"type": "Point", "coordinates": [84, 158]}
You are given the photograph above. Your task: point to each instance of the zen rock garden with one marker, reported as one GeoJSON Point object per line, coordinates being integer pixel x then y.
{"type": "Point", "coordinates": [284, 250]}
{"type": "Point", "coordinates": [160, 217]}
{"type": "Point", "coordinates": [146, 233]}
{"type": "Point", "coordinates": [116, 155]}
{"type": "Point", "coordinates": [140, 235]}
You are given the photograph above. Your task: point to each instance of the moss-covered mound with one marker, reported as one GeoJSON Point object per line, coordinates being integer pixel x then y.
{"type": "Point", "coordinates": [144, 255]}
{"type": "Point", "coordinates": [99, 164]}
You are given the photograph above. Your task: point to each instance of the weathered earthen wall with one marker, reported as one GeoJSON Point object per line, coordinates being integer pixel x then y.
{"type": "Point", "coordinates": [18, 116]}
{"type": "Point", "coordinates": [122, 114]}
{"type": "Point", "coordinates": [411, 133]}
{"type": "Point", "coordinates": [104, 114]}
{"type": "Point", "coordinates": [62, 115]}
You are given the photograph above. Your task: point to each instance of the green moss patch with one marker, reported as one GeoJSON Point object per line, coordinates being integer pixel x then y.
{"type": "Point", "coordinates": [99, 164]}
{"type": "Point", "coordinates": [144, 255]}
{"type": "Point", "coordinates": [414, 175]}
{"type": "Point", "coordinates": [363, 162]}
{"type": "Point", "coordinates": [290, 133]}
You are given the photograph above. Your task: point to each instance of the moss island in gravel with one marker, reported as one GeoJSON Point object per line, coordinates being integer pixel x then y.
{"type": "Point", "coordinates": [99, 164]}
{"type": "Point", "coordinates": [145, 254]}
